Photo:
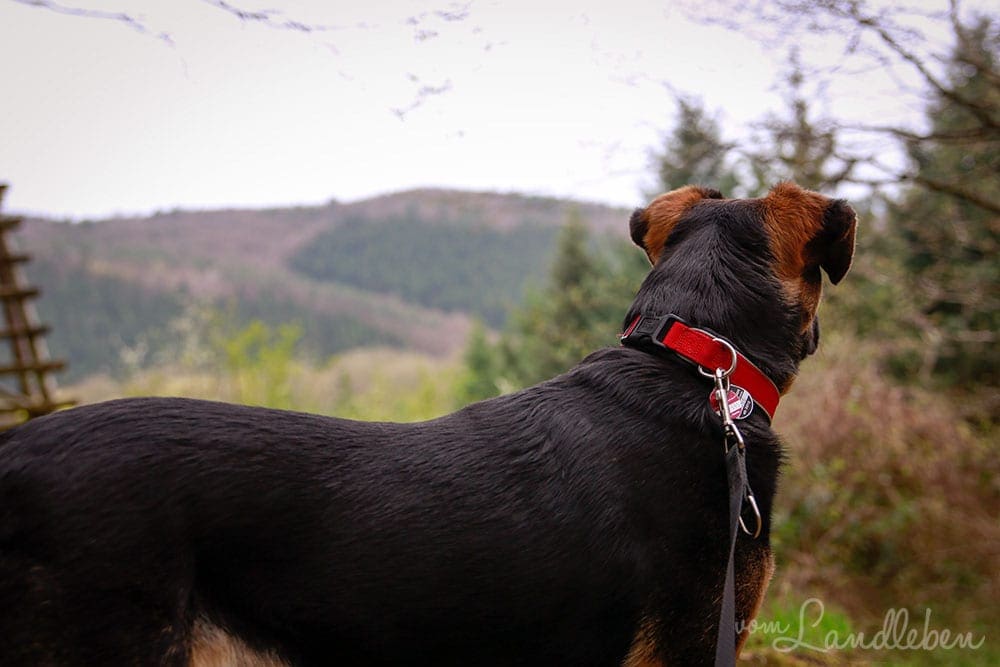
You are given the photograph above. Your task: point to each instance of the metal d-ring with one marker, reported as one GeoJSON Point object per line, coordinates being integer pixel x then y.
{"type": "Point", "coordinates": [732, 354]}
{"type": "Point", "coordinates": [756, 513]}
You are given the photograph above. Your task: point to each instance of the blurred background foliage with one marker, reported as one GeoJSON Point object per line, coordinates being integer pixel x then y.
{"type": "Point", "coordinates": [891, 493]}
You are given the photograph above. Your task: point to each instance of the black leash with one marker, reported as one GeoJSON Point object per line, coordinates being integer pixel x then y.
{"type": "Point", "coordinates": [736, 472]}
{"type": "Point", "coordinates": [739, 488]}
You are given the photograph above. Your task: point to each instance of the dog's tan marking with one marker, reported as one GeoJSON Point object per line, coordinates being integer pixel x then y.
{"type": "Point", "coordinates": [211, 646]}
{"type": "Point", "coordinates": [654, 223]}
{"type": "Point", "coordinates": [751, 587]}
{"type": "Point", "coordinates": [643, 651]}
{"type": "Point", "coordinates": [793, 217]}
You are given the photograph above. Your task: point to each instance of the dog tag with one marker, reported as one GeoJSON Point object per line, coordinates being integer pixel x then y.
{"type": "Point", "coordinates": [739, 400]}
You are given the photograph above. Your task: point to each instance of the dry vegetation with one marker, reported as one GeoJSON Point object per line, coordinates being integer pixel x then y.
{"type": "Point", "coordinates": [889, 500]}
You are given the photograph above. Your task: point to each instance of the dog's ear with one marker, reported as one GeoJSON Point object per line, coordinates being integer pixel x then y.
{"type": "Point", "coordinates": [833, 246]}
{"type": "Point", "coordinates": [808, 231]}
{"type": "Point", "coordinates": [649, 227]}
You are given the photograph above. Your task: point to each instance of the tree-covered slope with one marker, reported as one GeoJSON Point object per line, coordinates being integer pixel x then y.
{"type": "Point", "coordinates": [409, 269]}
{"type": "Point", "coordinates": [449, 266]}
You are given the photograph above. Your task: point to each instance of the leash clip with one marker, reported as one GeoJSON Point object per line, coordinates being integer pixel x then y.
{"type": "Point", "coordinates": [733, 438]}
{"type": "Point", "coordinates": [730, 431]}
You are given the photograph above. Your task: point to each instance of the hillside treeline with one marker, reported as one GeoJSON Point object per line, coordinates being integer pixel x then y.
{"type": "Point", "coordinates": [464, 266]}
{"type": "Point", "coordinates": [106, 324]}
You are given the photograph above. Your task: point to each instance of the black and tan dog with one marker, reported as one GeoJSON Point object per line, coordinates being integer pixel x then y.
{"type": "Point", "coordinates": [579, 522]}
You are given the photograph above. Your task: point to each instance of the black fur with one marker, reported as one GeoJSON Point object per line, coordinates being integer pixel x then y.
{"type": "Point", "coordinates": [540, 528]}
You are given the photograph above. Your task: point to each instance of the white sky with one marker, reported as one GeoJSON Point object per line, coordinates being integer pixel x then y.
{"type": "Point", "coordinates": [562, 98]}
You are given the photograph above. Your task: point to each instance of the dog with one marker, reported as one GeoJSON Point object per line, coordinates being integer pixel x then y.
{"type": "Point", "coordinates": [582, 521]}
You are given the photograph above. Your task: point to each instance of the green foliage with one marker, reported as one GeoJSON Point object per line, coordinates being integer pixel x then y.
{"type": "Point", "coordinates": [786, 623]}
{"type": "Point", "coordinates": [258, 361]}
{"type": "Point", "coordinates": [95, 317]}
{"type": "Point", "coordinates": [950, 244]}
{"type": "Point", "coordinates": [453, 266]}
{"type": "Point", "coordinates": [480, 369]}
{"type": "Point", "coordinates": [578, 311]}
{"type": "Point", "coordinates": [550, 334]}
{"type": "Point", "coordinates": [379, 394]}
{"type": "Point", "coordinates": [257, 364]}
{"type": "Point", "coordinates": [695, 154]}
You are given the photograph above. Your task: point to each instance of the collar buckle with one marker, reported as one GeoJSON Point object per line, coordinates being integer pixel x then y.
{"type": "Point", "coordinates": [649, 332]}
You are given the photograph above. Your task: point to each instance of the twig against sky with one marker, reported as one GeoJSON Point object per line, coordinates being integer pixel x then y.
{"type": "Point", "coordinates": [124, 18]}
{"type": "Point", "coordinates": [426, 25]}
{"type": "Point", "coordinates": [271, 18]}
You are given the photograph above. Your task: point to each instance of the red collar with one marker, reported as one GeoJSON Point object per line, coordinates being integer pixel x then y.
{"type": "Point", "coordinates": [706, 351]}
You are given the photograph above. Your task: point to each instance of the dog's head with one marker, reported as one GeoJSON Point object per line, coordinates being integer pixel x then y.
{"type": "Point", "coordinates": [784, 239]}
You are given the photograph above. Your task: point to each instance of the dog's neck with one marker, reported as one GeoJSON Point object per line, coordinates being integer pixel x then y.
{"type": "Point", "coordinates": [705, 278]}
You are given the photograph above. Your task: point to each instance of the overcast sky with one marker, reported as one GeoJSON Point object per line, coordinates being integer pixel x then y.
{"type": "Point", "coordinates": [544, 97]}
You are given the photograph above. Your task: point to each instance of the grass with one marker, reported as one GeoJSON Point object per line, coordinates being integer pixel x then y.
{"type": "Point", "coordinates": [794, 630]}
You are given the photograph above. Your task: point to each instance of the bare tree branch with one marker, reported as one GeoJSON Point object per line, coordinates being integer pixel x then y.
{"type": "Point", "coordinates": [956, 191]}
{"type": "Point", "coordinates": [270, 18]}
{"type": "Point", "coordinates": [971, 135]}
{"type": "Point", "coordinates": [896, 176]}
{"type": "Point", "coordinates": [120, 17]}
{"type": "Point", "coordinates": [982, 111]}
{"type": "Point", "coordinates": [275, 19]}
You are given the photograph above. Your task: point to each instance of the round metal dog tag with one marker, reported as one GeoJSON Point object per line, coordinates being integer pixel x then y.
{"type": "Point", "coordinates": [739, 400]}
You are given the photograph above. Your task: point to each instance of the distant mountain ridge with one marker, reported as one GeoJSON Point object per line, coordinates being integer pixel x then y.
{"type": "Point", "coordinates": [419, 267]}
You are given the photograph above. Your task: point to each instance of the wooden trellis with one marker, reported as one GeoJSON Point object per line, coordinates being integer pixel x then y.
{"type": "Point", "coordinates": [27, 388]}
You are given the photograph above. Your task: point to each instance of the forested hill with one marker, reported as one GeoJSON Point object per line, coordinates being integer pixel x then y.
{"type": "Point", "coordinates": [410, 269]}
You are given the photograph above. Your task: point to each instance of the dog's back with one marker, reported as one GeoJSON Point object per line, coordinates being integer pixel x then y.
{"type": "Point", "coordinates": [583, 521]}
{"type": "Point", "coordinates": [179, 523]}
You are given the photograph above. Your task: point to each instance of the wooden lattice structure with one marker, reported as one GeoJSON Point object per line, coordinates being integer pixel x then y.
{"type": "Point", "coordinates": [27, 388]}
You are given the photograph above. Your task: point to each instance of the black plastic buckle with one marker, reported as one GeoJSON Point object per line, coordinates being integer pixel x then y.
{"type": "Point", "coordinates": [648, 332]}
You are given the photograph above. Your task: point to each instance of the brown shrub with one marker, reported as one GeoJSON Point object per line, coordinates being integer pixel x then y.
{"type": "Point", "coordinates": [889, 498]}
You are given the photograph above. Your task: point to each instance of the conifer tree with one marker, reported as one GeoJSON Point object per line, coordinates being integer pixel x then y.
{"type": "Point", "coordinates": [694, 153]}
{"type": "Point", "coordinates": [950, 243]}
